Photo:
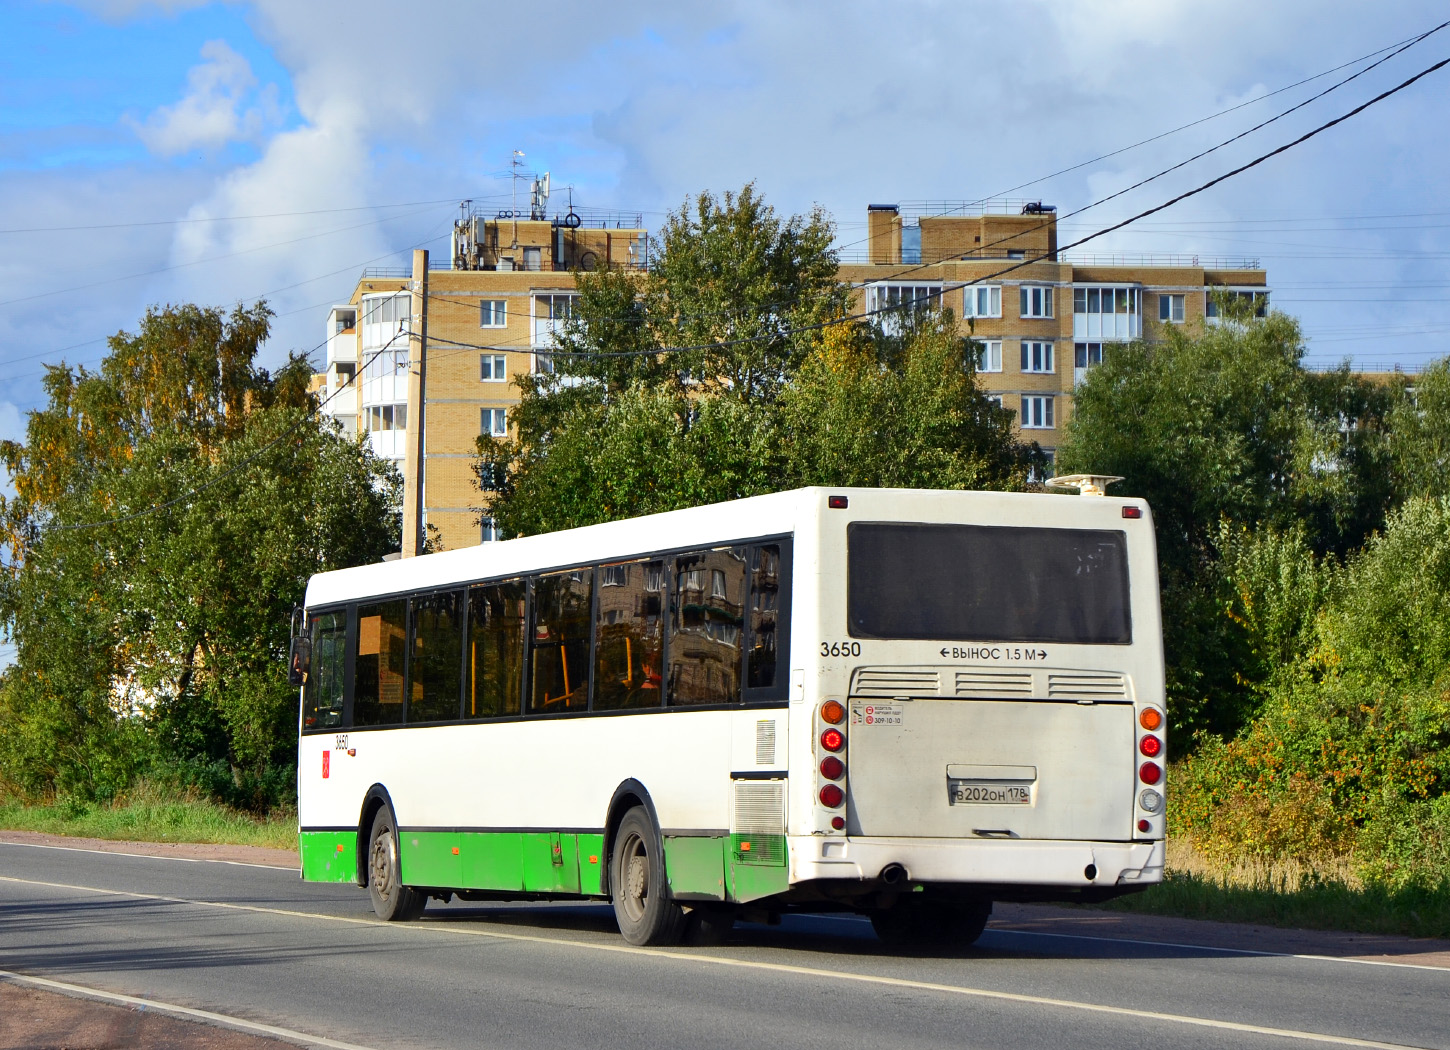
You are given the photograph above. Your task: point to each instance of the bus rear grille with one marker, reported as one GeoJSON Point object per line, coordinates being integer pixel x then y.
{"type": "Point", "coordinates": [758, 827]}
{"type": "Point", "coordinates": [994, 683]}
{"type": "Point", "coordinates": [895, 682]}
{"type": "Point", "coordinates": [1094, 686]}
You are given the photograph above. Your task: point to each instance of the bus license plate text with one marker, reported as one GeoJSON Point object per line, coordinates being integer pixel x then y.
{"type": "Point", "coordinates": [979, 792]}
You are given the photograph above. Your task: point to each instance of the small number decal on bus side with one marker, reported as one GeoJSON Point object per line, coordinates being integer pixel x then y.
{"type": "Point", "coordinates": [840, 648]}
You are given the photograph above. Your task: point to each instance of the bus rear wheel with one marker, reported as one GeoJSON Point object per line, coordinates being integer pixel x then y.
{"type": "Point", "coordinates": [392, 901]}
{"type": "Point", "coordinates": [914, 923]}
{"type": "Point", "coordinates": [638, 886]}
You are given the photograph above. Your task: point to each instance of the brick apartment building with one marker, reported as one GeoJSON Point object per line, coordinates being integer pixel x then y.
{"type": "Point", "coordinates": [491, 311]}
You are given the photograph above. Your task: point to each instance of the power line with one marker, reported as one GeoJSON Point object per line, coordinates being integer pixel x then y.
{"type": "Point", "coordinates": [219, 218]}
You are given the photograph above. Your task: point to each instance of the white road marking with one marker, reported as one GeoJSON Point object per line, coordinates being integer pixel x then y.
{"type": "Point", "coordinates": [186, 1012]}
{"type": "Point", "coordinates": [153, 856]}
{"type": "Point", "coordinates": [1176, 944]}
{"type": "Point", "coordinates": [752, 964]}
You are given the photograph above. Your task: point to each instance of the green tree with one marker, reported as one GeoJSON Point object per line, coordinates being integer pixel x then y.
{"type": "Point", "coordinates": [158, 637]}
{"type": "Point", "coordinates": [1224, 424]}
{"type": "Point", "coordinates": [727, 371]}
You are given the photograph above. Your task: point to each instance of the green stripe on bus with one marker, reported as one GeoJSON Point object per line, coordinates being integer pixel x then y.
{"type": "Point", "coordinates": [696, 867]}
{"type": "Point", "coordinates": [328, 856]}
{"type": "Point", "coordinates": [757, 867]}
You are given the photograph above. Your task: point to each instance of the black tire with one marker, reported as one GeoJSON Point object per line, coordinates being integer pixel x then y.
{"type": "Point", "coordinates": [637, 883]}
{"type": "Point", "coordinates": [707, 926]}
{"type": "Point", "coordinates": [925, 924]}
{"type": "Point", "coordinates": [392, 901]}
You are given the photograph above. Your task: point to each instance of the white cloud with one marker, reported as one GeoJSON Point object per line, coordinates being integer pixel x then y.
{"type": "Point", "coordinates": [214, 112]}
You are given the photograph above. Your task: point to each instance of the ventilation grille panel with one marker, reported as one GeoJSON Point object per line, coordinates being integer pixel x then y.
{"type": "Point", "coordinates": [993, 683]}
{"type": "Point", "coordinates": [758, 827]}
{"type": "Point", "coordinates": [895, 682]}
{"type": "Point", "coordinates": [1062, 686]}
{"type": "Point", "coordinates": [765, 742]}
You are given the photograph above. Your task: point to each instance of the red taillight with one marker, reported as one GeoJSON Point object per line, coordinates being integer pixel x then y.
{"type": "Point", "coordinates": [837, 502]}
{"type": "Point", "coordinates": [1132, 512]}
{"type": "Point", "coordinates": [832, 767]}
{"type": "Point", "coordinates": [833, 712]}
{"type": "Point", "coordinates": [832, 796]}
{"type": "Point", "coordinates": [1145, 826]}
{"type": "Point", "coordinates": [1150, 746]}
{"type": "Point", "coordinates": [839, 823]}
{"type": "Point", "coordinates": [1150, 773]}
{"type": "Point", "coordinates": [833, 740]}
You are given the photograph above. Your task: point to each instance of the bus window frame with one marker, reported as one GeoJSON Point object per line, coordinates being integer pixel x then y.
{"type": "Point", "coordinates": [776, 695]}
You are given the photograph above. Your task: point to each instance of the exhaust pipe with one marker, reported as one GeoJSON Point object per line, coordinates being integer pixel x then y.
{"type": "Point", "coordinates": [893, 874]}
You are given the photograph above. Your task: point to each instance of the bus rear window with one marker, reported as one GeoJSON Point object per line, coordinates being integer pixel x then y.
{"type": "Point", "coordinates": [987, 583]}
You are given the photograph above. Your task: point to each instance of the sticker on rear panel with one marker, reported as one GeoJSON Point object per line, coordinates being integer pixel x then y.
{"type": "Point", "coordinates": [876, 714]}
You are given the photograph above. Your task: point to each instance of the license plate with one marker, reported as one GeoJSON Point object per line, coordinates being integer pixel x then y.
{"type": "Point", "coordinates": [989, 793]}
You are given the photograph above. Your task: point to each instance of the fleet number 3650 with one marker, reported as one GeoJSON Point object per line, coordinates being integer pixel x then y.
{"type": "Point", "coordinates": [840, 648]}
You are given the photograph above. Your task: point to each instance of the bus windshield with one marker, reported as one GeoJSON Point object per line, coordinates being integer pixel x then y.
{"type": "Point", "coordinates": [988, 583]}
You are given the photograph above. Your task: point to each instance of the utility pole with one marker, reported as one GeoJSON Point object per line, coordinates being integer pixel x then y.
{"type": "Point", "coordinates": [415, 526]}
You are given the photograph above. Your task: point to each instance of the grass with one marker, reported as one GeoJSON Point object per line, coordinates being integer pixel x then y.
{"type": "Point", "coordinates": [149, 815]}
{"type": "Point", "coordinates": [1327, 897]}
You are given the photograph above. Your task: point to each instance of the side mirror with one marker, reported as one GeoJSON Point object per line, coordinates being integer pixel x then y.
{"type": "Point", "coordinates": [300, 660]}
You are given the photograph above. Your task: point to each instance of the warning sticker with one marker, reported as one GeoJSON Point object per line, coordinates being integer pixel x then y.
{"type": "Point", "coordinates": [876, 714]}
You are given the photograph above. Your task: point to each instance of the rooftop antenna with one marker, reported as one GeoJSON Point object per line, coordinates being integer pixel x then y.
{"type": "Point", "coordinates": [518, 162]}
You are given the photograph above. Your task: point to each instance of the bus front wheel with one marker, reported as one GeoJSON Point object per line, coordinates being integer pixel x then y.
{"type": "Point", "coordinates": [638, 886]}
{"type": "Point", "coordinates": [392, 901]}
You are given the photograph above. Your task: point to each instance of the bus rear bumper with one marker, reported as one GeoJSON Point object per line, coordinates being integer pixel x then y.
{"type": "Point", "coordinates": [994, 862]}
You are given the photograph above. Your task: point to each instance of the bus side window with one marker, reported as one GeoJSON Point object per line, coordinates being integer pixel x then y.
{"type": "Point", "coordinates": [707, 627]}
{"type": "Point", "coordinates": [323, 693]}
{"type": "Point", "coordinates": [495, 649]}
{"type": "Point", "coordinates": [630, 636]}
{"type": "Point", "coordinates": [381, 653]}
{"type": "Point", "coordinates": [435, 685]}
{"type": "Point", "coordinates": [765, 615]}
{"type": "Point", "coordinates": [559, 646]}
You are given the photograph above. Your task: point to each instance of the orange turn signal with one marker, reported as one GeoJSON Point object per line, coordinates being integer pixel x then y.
{"type": "Point", "coordinates": [834, 712]}
{"type": "Point", "coordinates": [1150, 718]}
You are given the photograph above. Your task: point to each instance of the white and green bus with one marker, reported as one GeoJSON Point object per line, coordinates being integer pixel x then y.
{"type": "Point", "coordinates": [900, 703]}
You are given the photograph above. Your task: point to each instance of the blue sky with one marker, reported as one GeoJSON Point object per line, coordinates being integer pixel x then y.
{"type": "Point", "coordinates": [163, 152]}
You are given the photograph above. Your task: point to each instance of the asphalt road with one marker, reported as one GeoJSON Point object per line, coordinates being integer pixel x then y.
{"type": "Point", "coordinates": [256, 943]}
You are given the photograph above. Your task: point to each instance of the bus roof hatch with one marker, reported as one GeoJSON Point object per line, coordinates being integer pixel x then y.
{"type": "Point", "coordinates": [1086, 484]}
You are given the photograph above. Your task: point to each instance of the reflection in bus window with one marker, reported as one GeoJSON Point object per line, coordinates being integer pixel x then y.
{"type": "Point", "coordinates": [559, 649]}
{"type": "Point", "coordinates": [323, 693]}
{"type": "Point", "coordinates": [629, 637]}
{"type": "Point", "coordinates": [437, 658]}
{"type": "Point", "coordinates": [495, 649]}
{"type": "Point", "coordinates": [706, 627]}
{"type": "Point", "coordinates": [378, 692]}
{"type": "Point", "coordinates": [764, 617]}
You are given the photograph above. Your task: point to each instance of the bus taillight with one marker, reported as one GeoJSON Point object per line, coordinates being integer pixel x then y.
{"type": "Point", "coordinates": [1150, 746]}
{"type": "Point", "coordinates": [832, 796]}
{"type": "Point", "coordinates": [1150, 772]}
{"type": "Point", "coordinates": [832, 768]}
{"type": "Point", "coordinates": [833, 740]}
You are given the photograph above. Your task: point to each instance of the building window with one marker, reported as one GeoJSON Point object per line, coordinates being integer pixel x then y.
{"type": "Point", "coordinates": [995, 400]}
{"type": "Point", "coordinates": [983, 300]}
{"type": "Point", "coordinates": [387, 309]}
{"type": "Point", "coordinates": [899, 297]}
{"type": "Point", "coordinates": [494, 368]}
{"type": "Point", "coordinates": [1170, 308]}
{"type": "Point", "coordinates": [1107, 313]}
{"type": "Point", "coordinates": [488, 530]}
{"type": "Point", "coordinates": [989, 356]}
{"type": "Point", "coordinates": [550, 313]}
{"type": "Point", "coordinates": [495, 422]}
{"type": "Point", "coordinates": [1037, 357]}
{"type": "Point", "coordinates": [1085, 355]}
{"type": "Point", "coordinates": [492, 313]}
{"type": "Point", "coordinates": [1036, 413]}
{"type": "Point", "coordinates": [386, 417]}
{"type": "Point", "coordinates": [1259, 300]}
{"type": "Point", "coordinates": [1036, 301]}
